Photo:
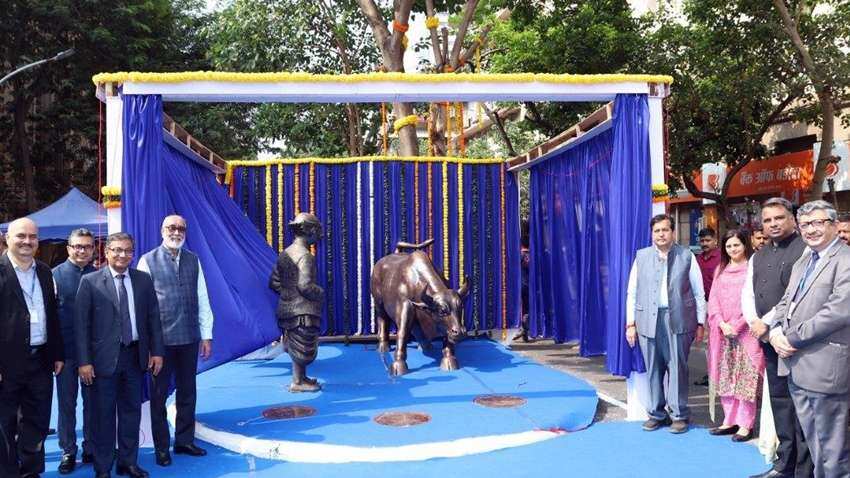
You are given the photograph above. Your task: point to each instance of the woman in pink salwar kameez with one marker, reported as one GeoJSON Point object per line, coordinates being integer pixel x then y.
{"type": "Point", "coordinates": [735, 358]}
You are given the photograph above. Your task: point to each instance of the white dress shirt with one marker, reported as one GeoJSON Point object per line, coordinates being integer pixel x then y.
{"type": "Point", "coordinates": [748, 301]}
{"type": "Point", "coordinates": [205, 316]}
{"type": "Point", "coordinates": [31, 287]}
{"type": "Point", "coordinates": [131, 302]}
{"type": "Point", "coordinates": [695, 277]}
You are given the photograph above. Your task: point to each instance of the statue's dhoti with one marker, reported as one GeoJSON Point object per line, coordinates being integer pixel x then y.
{"type": "Point", "coordinates": [302, 337]}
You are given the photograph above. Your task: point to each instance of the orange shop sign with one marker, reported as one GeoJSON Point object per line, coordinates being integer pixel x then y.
{"type": "Point", "coordinates": [785, 174]}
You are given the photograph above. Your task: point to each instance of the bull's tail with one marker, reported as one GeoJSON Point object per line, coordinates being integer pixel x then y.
{"type": "Point", "coordinates": [402, 246]}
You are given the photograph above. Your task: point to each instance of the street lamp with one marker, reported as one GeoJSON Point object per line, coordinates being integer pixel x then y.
{"type": "Point", "coordinates": [59, 56]}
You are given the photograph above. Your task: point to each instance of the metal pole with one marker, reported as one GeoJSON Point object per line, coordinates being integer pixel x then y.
{"type": "Point", "coordinates": [59, 56]}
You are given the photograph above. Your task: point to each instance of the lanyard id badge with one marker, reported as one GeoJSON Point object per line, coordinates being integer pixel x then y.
{"type": "Point", "coordinates": [34, 318]}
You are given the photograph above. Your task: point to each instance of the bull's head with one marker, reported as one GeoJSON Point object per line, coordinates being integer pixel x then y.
{"type": "Point", "coordinates": [446, 307]}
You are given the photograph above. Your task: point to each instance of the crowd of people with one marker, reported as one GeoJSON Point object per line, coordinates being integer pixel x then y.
{"type": "Point", "coordinates": [98, 331]}
{"type": "Point", "coordinates": [773, 302]}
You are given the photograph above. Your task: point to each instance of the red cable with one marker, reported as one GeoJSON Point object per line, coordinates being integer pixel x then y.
{"type": "Point", "coordinates": [99, 164]}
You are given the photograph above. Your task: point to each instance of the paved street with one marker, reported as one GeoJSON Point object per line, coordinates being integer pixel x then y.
{"type": "Point", "coordinates": [592, 369]}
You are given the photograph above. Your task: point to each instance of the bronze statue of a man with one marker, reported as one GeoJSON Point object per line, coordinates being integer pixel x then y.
{"type": "Point", "coordinates": [300, 305]}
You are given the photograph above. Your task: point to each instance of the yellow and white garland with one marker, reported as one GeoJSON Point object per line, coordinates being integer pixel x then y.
{"type": "Point", "coordinates": [302, 77]}
{"type": "Point", "coordinates": [111, 196]}
{"type": "Point", "coordinates": [409, 120]}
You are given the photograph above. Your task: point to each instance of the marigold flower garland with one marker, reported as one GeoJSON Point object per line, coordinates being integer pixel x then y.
{"type": "Point", "coordinates": [660, 192]}
{"type": "Point", "coordinates": [280, 218]}
{"type": "Point", "coordinates": [416, 202]}
{"type": "Point", "coordinates": [409, 120]}
{"type": "Point", "coordinates": [460, 238]}
{"type": "Point", "coordinates": [446, 258]}
{"type": "Point", "coordinates": [111, 196]}
{"type": "Point", "coordinates": [269, 224]}
{"type": "Point", "coordinates": [303, 77]}
{"type": "Point", "coordinates": [296, 193]}
{"type": "Point", "coordinates": [432, 22]}
{"type": "Point", "coordinates": [359, 238]}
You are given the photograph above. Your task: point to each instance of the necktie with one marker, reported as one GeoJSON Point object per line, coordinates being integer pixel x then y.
{"type": "Point", "coordinates": [809, 269]}
{"type": "Point", "coordinates": [124, 311]}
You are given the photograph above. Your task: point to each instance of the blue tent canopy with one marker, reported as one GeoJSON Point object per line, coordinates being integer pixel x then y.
{"type": "Point", "coordinates": [73, 210]}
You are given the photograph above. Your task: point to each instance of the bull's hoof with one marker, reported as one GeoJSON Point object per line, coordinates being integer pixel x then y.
{"type": "Point", "coordinates": [449, 363]}
{"type": "Point", "coordinates": [399, 368]}
{"type": "Point", "coordinates": [383, 347]}
{"type": "Point", "coordinates": [304, 387]}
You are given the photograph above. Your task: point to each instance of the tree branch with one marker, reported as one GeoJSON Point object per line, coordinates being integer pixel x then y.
{"type": "Point", "coordinates": [468, 11]}
{"type": "Point", "coordinates": [501, 126]}
{"type": "Point", "coordinates": [536, 117]}
{"type": "Point", "coordinates": [376, 21]}
{"type": "Point", "coordinates": [435, 39]}
{"type": "Point", "coordinates": [790, 28]}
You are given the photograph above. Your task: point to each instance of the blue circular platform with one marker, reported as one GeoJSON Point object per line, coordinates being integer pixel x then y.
{"type": "Point", "coordinates": [357, 387]}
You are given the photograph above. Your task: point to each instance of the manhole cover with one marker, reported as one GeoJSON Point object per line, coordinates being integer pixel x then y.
{"type": "Point", "coordinates": [288, 412]}
{"type": "Point", "coordinates": [402, 419]}
{"type": "Point", "coordinates": [499, 401]}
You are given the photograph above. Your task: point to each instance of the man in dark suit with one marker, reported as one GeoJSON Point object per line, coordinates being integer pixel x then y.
{"type": "Point", "coordinates": [30, 350]}
{"type": "Point", "coordinates": [812, 338]}
{"type": "Point", "coordinates": [67, 277]}
{"type": "Point", "coordinates": [119, 335]}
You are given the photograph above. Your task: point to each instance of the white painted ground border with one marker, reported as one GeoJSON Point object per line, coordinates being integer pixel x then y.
{"type": "Point", "coordinates": [303, 452]}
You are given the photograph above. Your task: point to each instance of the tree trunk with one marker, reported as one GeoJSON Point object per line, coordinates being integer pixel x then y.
{"type": "Point", "coordinates": [825, 97]}
{"type": "Point", "coordinates": [827, 137]}
{"type": "Point", "coordinates": [21, 146]}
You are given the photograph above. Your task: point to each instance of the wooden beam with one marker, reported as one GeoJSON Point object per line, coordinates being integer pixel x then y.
{"type": "Point", "coordinates": [565, 138]}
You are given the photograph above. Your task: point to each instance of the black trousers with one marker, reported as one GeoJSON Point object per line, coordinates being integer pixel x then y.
{"type": "Point", "coordinates": [121, 394]}
{"type": "Point", "coordinates": [793, 455]}
{"type": "Point", "coordinates": [32, 392]}
{"type": "Point", "coordinates": [181, 364]}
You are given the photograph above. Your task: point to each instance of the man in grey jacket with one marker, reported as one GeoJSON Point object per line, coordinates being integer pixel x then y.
{"type": "Point", "coordinates": [812, 335]}
{"type": "Point", "coordinates": [665, 310]}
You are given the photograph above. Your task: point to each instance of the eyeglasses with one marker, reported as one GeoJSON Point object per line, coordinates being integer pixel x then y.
{"type": "Point", "coordinates": [175, 228]}
{"type": "Point", "coordinates": [121, 252]}
{"type": "Point", "coordinates": [817, 224]}
{"type": "Point", "coordinates": [81, 247]}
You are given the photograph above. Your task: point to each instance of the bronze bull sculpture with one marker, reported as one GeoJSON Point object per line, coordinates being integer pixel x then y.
{"type": "Point", "coordinates": [409, 291]}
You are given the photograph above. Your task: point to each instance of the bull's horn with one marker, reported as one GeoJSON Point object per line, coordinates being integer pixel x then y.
{"type": "Point", "coordinates": [401, 245]}
{"type": "Point", "coordinates": [464, 288]}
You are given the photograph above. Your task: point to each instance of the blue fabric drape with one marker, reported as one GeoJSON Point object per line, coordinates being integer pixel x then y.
{"type": "Point", "coordinates": [157, 181]}
{"type": "Point", "coordinates": [568, 249]}
{"type": "Point", "coordinates": [589, 209]}
{"type": "Point", "coordinates": [393, 205]}
{"type": "Point", "coordinates": [630, 193]}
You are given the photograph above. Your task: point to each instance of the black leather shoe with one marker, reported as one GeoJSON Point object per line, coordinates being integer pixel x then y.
{"type": "Point", "coordinates": [31, 475]}
{"type": "Point", "coordinates": [773, 473]}
{"type": "Point", "coordinates": [741, 438]}
{"type": "Point", "coordinates": [190, 449]}
{"type": "Point", "coordinates": [133, 471]}
{"type": "Point", "coordinates": [88, 458]}
{"type": "Point", "coordinates": [102, 475]}
{"type": "Point", "coordinates": [67, 465]}
{"type": "Point", "coordinates": [723, 431]}
{"type": "Point", "coordinates": [163, 458]}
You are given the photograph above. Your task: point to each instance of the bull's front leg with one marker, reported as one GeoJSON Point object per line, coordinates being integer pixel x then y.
{"type": "Point", "coordinates": [449, 361]}
{"type": "Point", "coordinates": [383, 329]}
{"type": "Point", "coordinates": [405, 317]}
